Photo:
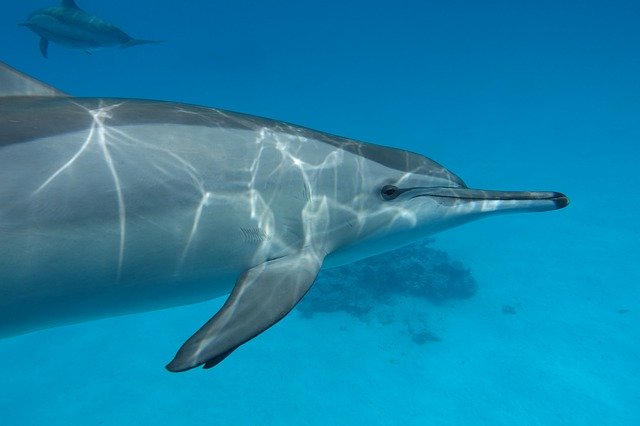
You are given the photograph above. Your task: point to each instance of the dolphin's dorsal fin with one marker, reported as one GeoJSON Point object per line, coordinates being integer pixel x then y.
{"type": "Point", "coordinates": [70, 3]}
{"type": "Point", "coordinates": [262, 296]}
{"type": "Point", "coordinates": [15, 83]}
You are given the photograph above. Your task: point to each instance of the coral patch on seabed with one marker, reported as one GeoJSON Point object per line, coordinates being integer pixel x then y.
{"type": "Point", "coordinates": [509, 310]}
{"type": "Point", "coordinates": [373, 288]}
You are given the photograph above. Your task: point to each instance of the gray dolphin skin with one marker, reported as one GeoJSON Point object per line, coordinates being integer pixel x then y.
{"type": "Point", "coordinates": [115, 206]}
{"type": "Point", "coordinates": [70, 26]}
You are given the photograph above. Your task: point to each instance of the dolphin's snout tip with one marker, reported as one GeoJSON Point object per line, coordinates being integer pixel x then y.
{"type": "Point", "coordinates": [561, 201]}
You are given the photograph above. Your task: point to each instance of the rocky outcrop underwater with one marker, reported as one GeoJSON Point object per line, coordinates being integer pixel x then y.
{"type": "Point", "coordinates": [370, 288]}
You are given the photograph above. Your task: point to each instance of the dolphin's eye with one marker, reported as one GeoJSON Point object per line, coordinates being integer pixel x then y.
{"type": "Point", "coordinates": [389, 192]}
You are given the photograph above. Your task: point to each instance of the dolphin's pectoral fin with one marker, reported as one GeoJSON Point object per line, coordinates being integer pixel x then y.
{"type": "Point", "coordinates": [262, 296]}
{"type": "Point", "coordinates": [44, 46]}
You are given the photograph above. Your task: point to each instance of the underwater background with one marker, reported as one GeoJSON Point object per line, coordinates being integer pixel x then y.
{"type": "Point", "coordinates": [523, 319]}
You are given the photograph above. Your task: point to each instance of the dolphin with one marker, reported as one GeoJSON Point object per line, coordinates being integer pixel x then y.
{"type": "Point", "coordinates": [70, 26]}
{"type": "Point", "coordinates": [114, 206]}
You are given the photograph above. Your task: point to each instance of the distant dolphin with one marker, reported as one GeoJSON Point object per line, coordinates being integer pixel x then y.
{"type": "Point", "coordinates": [70, 26]}
{"type": "Point", "coordinates": [113, 206]}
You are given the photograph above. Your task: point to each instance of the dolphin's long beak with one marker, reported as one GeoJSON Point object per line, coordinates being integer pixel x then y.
{"type": "Point", "coordinates": [494, 201]}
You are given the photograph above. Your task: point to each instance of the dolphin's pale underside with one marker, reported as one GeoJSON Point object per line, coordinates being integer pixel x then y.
{"type": "Point", "coordinates": [70, 26]}
{"type": "Point", "coordinates": [113, 206]}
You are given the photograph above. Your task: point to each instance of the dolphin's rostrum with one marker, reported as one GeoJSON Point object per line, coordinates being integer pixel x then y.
{"type": "Point", "coordinates": [112, 206]}
{"type": "Point", "coordinates": [70, 26]}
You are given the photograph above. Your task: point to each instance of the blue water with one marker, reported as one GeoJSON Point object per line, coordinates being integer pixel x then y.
{"type": "Point", "coordinates": [509, 95]}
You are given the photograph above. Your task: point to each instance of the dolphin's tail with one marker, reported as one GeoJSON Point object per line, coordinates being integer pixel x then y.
{"type": "Point", "coordinates": [134, 42]}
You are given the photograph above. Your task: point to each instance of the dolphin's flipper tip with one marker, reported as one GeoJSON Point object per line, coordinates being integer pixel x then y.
{"type": "Point", "coordinates": [561, 200]}
{"type": "Point", "coordinates": [44, 46]}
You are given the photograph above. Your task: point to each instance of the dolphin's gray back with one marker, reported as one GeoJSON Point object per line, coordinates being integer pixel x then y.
{"type": "Point", "coordinates": [63, 115]}
{"type": "Point", "coordinates": [34, 109]}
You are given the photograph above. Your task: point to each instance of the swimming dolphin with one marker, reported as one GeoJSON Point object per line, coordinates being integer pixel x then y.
{"type": "Point", "coordinates": [113, 206]}
{"type": "Point", "coordinates": [70, 26]}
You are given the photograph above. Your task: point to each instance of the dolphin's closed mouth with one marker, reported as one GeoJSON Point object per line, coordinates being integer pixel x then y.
{"type": "Point", "coordinates": [559, 199]}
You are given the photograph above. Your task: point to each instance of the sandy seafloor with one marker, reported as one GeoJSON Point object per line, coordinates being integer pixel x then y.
{"type": "Point", "coordinates": [533, 95]}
